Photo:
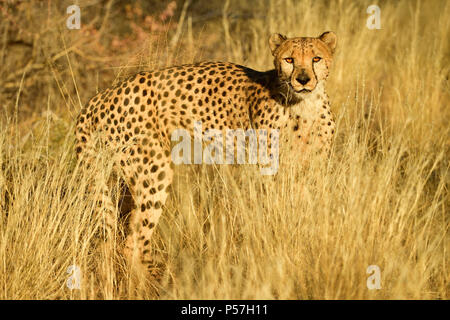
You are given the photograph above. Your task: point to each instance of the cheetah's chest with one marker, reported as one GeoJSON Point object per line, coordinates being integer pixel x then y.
{"type": "Point", "coordinates": [310, 123]}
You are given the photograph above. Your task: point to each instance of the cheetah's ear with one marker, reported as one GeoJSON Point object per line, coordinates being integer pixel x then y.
{"type": "Point", "coordinates": [330, 39]}
{"type": "Point", "coordinates": [275, 40]}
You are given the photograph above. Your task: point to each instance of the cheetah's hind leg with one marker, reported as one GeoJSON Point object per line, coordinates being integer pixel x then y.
{"type": "Point", "coordinates": [148, 182]}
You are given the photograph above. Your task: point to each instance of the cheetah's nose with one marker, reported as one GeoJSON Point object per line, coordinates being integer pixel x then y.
{"type": "Point", "coordinates": [303, 78]}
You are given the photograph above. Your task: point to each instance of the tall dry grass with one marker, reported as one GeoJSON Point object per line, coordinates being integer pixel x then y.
{"type": "Point", "coordinates": [228, 232]}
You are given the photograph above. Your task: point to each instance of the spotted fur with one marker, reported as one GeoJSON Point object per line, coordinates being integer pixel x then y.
{"type": "Point", "coordinates": [137, 116]}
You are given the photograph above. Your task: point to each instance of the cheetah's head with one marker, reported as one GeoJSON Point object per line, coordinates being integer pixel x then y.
{"type": "Point", "coordinates": [302, 63]}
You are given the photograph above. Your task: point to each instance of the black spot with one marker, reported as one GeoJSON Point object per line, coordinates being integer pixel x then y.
{"type": "Point", "coordinates": [161, 175]}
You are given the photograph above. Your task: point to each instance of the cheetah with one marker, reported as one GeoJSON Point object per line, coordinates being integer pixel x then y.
{"type": "Point", "coordinates": [136, 117]}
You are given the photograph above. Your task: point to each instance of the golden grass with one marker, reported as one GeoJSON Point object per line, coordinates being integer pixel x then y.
{"type": "Point", "coordinates": [228, 232]}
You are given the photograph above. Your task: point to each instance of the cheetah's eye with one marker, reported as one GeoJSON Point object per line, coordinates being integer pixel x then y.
{"type": "Point", "coordinates": [289, 60]}
{"type": "Point", "coordinates": [317, 59]}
